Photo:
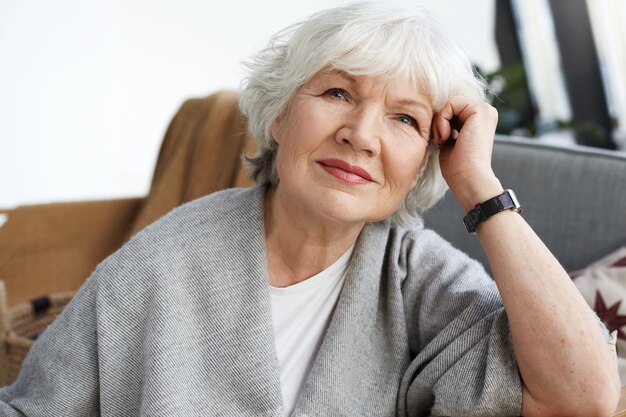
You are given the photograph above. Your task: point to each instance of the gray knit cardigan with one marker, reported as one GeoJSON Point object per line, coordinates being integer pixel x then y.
{"type": "Point", "coordinates": [178, 323]}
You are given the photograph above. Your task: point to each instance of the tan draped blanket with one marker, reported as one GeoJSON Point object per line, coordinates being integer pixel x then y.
{"type": "Point", "coordinates": [51, 248]}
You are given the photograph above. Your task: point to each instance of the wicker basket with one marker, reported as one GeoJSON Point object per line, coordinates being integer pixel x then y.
{"type": "Point", "coordinates": [19, 327]}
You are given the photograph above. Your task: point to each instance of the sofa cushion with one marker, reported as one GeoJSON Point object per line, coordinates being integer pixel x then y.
{"type": "Point", "coordinates": [603, 285]}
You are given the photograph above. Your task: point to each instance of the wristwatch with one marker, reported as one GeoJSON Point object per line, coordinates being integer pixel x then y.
{"type": "Point", "coordinates": [505, 201]}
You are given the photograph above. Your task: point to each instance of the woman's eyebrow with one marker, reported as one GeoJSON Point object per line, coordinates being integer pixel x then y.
{"type": "Point", "coordinates": [418, 105]}
{"type": "Point", "coordinates": [331, 74]}
{"type": "Point", "coordinates": [346, 76]}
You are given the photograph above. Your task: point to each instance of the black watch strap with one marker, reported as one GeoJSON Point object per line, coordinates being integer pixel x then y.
{"type": "Point", "coordinates": [505, 201]}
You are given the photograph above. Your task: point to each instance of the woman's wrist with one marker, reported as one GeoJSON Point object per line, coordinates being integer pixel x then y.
{"type": "Point", "coordinates": [477, 191]}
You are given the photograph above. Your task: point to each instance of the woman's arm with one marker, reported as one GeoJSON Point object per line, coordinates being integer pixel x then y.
{"type": "Point", "coordinates": [564, 359]}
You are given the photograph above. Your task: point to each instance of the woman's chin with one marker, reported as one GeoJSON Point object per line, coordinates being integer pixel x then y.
{"type": "Point", "coordinates": [348, 212]}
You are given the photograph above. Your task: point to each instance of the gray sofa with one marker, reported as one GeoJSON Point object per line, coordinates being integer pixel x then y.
{"type": "Point", "coordinates": [574, 197]}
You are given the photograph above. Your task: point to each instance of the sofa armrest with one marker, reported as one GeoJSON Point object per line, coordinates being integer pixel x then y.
{"type": "Point", "coordinates": [53, 247]}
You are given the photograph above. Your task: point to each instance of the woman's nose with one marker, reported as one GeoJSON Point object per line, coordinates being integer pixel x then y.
{"type": "Point", "coordinates": [362, 130]}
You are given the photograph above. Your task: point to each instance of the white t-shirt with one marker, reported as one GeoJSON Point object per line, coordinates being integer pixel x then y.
{"type": "Point", "coordinates": [301, 314]}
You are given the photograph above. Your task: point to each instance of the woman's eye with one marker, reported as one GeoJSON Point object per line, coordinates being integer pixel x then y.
{"type": "Point", "coordinates": [408, 120]}
{"type": "Point", "coordinates": [337, 93]}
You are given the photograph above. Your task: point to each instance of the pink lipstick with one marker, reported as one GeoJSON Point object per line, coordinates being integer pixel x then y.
{"type": "Point", "coordinates": [344, 171]}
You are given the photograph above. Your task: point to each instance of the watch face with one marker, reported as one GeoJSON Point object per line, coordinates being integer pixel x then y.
{"type": "Point", "coordinates": [516, 205]}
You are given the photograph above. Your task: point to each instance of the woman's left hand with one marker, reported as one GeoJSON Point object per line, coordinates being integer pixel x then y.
{"type": "Point", "coordinates": [465, 129]}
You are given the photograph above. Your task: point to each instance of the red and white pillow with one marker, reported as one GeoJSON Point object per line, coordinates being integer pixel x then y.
{"type": "Point", "coordinates": [603, 285]}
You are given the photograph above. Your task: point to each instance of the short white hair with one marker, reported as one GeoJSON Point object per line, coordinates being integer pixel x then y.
{"type": "Point", "coordinates": [386, 39]}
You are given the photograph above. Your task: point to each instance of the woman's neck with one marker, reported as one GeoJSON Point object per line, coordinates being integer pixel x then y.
{"type": "Point", "coordinates": [300, 245]}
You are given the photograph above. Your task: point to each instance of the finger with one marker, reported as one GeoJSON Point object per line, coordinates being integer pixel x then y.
{"type": "Point", "coordinates": [456, 124]}
{"type": "Point", "coordinates": [463, 109]}
{"type": "Point", "coordinates": [448, 122]}
{"type": "Point", "coordinates": [458, 112]}
{"type": "Point", "coordinates": [442, 126]}
{"type": "Point", "coordinates": [458, 109]}
{"type": "Point", "coordinates": [435, 137]}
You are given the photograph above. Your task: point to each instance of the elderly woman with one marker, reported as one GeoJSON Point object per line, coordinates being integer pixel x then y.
{"type": "Point", "coordinates": [319, 292]}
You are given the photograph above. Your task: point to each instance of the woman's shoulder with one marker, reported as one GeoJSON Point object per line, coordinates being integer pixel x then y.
{"type": "Point", "coordinates": [401, 240]}
{"type": "Point", "coordinates": [424, 247]}
{"type": "Point", "coordinates": [420, 238]}
{"type": "Point", "coordinates": [220, 210]}
{"type": "Point", "coordinates": [195, 227]}
{"type": "Point", "coordinates": [215, 207]}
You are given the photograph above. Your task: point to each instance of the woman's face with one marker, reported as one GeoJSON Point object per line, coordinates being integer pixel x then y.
{"type": "Point", "coordinates": [351, 147]}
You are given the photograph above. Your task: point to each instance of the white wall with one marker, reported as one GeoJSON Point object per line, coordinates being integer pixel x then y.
{"type": "Point", "coordinates": [87, 88]}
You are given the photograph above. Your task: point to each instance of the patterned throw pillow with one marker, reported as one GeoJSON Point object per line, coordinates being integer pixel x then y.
{"type": "Point", "coordinates": [603, 285]}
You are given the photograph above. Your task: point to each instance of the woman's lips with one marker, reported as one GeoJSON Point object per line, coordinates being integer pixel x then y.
{"type": "Point", "coordinates": [346, 172]}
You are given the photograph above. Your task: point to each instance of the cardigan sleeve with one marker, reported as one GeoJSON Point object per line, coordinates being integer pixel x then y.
{"type": "Point", "coordinates": [462, 359]}
{"type": "Point", "coordinates": [59, 376]}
